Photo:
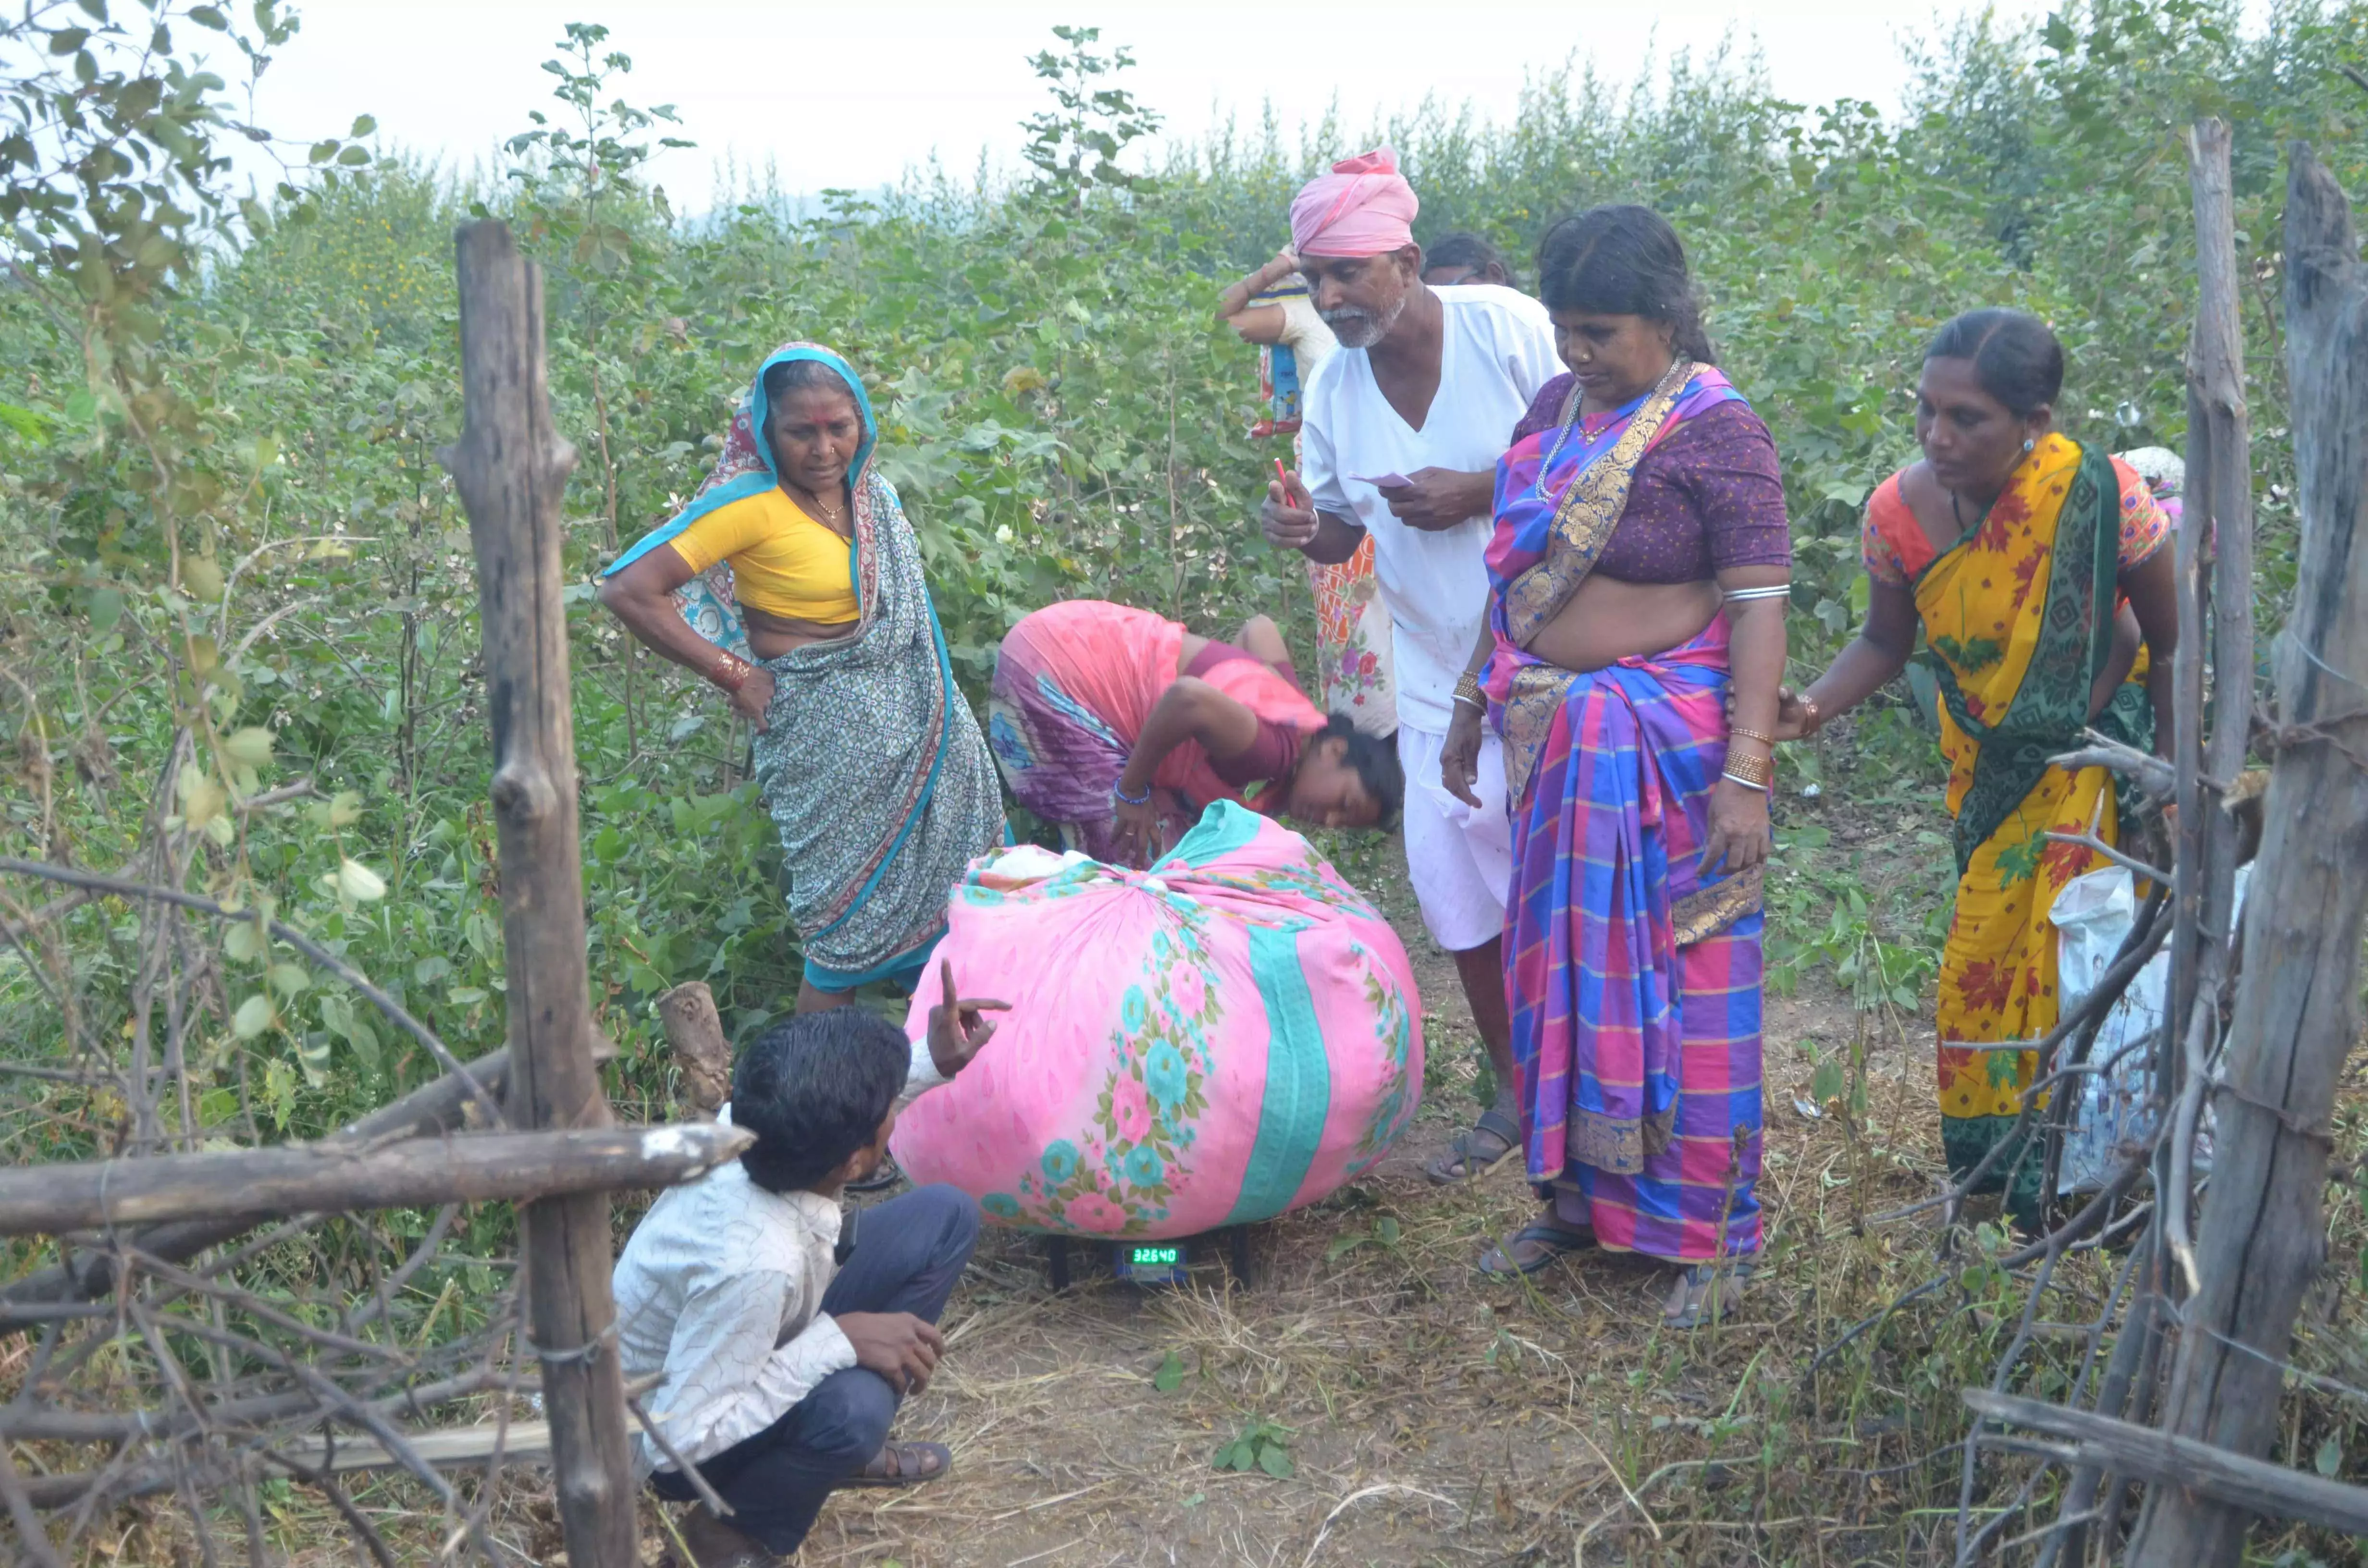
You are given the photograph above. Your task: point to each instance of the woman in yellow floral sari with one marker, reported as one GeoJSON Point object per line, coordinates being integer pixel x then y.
{"type": "Point", "coordinates": [2034, 564]}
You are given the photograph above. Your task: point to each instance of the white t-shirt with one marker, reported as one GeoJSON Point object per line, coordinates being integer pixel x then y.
{"type": "Point", "coordinates": [1497, 350]}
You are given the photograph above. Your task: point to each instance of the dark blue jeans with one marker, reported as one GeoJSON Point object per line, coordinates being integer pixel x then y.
{"type": "Point", "coordinates": [908, 1253]}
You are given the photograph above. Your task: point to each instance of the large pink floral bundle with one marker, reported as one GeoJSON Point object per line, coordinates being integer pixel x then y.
{"type": "Point", "coordinates": [1227, 1036]}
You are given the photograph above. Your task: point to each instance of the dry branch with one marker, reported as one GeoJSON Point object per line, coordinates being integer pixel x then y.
{"type": "Point", "coordinates": [2175, 1464]}
{"type": "Point", "coordinates": [433, 1108]}
{"type": "Point", "coordinates": [311, 1178]}
{"type": "Point", "coordinates": [283, 931]}
{"type": "Point", "coordinates": [2296, 1010]}
{"type": "Point", "coordinates": [2144, 769]}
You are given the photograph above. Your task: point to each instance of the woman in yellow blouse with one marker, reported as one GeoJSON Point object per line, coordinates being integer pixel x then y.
{"type": "Point", "coordinates": [798, 551]}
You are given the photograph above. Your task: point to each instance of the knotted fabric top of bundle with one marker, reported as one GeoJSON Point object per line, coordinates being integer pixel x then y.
{"type": "Point", "coordinates": [1228, 1036]}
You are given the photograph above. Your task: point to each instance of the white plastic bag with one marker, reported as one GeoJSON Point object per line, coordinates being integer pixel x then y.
{"type": "Point", "coordinates": [2093, 916]}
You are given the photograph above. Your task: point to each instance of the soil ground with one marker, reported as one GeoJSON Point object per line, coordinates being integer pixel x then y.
{"type": "Point", "coordinates": [1432, 1416]}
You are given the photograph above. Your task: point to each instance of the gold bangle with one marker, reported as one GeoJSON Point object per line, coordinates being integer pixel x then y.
{"type": "Point", "coordinates": [730, 671]}
{"type": "Point", "coordinates": [1468, 690]}
{"type": "Point", "coordinates": [1751, 735]}
{"type": "Point", "coordinates": [1744, 768]}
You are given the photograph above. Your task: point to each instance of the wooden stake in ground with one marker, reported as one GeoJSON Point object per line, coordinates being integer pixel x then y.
{"type": "Point", "coordinates": [2263, 1235]}
{"type": "Point", "coordinates": [696, 1034]}
{"type": "Point", "coordinates": [511, 468]}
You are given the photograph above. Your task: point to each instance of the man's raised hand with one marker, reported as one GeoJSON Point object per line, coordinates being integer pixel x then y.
{"type": "Point", "coordinates": [958, 1026]}
{"type": "Point", "coordinates": [1288, 519]}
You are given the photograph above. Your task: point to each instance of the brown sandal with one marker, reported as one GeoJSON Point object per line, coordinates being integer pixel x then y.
{"type": "Point", "coordinates": [903, 1464]}
{"type": "Point", "coordinates": [1467, 1158]}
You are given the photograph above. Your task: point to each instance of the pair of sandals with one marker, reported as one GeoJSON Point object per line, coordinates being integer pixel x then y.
{"type": "Point", "coordinates": [1703, 1292]}
{"type": "Point", "coordinates": [711, 1542]}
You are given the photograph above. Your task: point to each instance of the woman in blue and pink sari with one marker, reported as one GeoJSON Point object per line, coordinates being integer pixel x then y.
{"type": "Point", "coordinates": [1638, 576]}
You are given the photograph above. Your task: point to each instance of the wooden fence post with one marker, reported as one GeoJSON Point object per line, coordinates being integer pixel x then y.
{"type": "Point", "coordinates": [694, 1031]}
{"type": "Point", "coordinates": [511, 468]}
{"type": "Point", "coordinates": [2263, 1235]}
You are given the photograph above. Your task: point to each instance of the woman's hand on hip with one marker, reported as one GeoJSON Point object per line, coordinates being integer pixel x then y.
{"type": "Point", "coordinates": [755, 696]}
{"type": "Point", "coordinates": [1739, 837]}
{"type": "Point", "coordinates": [1458, 759]}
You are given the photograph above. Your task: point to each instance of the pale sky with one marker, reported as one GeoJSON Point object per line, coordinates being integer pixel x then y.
{"type": "Point", "coordinates": [854, 92]}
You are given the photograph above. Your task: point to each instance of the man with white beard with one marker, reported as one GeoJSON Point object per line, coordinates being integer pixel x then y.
{"type": "Point", "coordinates": [1402, 429]}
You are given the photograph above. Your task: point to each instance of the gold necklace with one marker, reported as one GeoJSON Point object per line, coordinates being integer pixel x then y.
{"type": "Point", "coordinates": [831, 516]}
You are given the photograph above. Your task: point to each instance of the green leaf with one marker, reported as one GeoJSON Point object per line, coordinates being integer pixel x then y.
{"type": "Point", "coordinates": [245, 941]}
{"type": "Point", "coordinates": [288, 979]}
{"type": "Point", "coordinates": [1826, 1082]}
{"type": "Point", "coordinates": [353, 157]}
{"type": "Point", "coordinates": [106, 610]}
{"type": "Point", "coordinates": [2330, 1455]}
{"type": "Point", "coordinates": [431, 970]}
{"type": "Point", "coordinates": [249, 747]}
{"type": "Point", "coordinates": [207, 16]}
{"type": "Point", "coordinates": [359, 882]}
{"type": "Point", "coordinates": [363, 126]}
{"type": "Point", "coordinates": [466, 996]}
{"type": "Point", "coordinates": [203, 800]}
{"type": "Point", "coordinates": [1170, 1376]}
{"type": "Point", "coordinates": [66, 40]}
{"type": "Point", "coordinates": [364, 1040]}
{"type": "Point", "coordinates": [202, 578]}
{"type": "Point", "coordinates": [1387, 1229]}
{"type": "Point", "coordinates": [483, 934]}
{"type": "Point", "coordinates": [1275, 1460]}
{"type": "Point", "coordinates": [253, 1017]}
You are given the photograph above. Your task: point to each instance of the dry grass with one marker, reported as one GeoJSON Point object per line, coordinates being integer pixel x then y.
{"type": "Point", "coordinates": [1439, 1418]}
{"type": "Point", "coordinates": [1436, 1416]}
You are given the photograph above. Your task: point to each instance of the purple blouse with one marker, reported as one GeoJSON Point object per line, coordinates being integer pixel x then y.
{"type": "Point", "coordinates": [1707, 498]}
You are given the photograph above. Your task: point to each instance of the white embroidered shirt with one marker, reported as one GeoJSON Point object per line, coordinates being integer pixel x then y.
{"type": "Point", "coordinates": [720, 1288]}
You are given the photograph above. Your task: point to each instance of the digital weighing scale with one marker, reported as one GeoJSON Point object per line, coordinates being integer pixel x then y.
{"type": "Point", "coordinates": [1148, 1263]}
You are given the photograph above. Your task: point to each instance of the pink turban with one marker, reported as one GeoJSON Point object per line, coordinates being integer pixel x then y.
{"type": "Point", "coordinates": [1363, 207]}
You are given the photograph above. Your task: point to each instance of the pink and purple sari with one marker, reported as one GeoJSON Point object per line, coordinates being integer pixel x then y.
{"type": "Point", "coordinates": [1633, 980]}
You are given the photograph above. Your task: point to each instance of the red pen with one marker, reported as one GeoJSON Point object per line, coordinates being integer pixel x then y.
{"type": "Point", "coordinates": [1282, 479]}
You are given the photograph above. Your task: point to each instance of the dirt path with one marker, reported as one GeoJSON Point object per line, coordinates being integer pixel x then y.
{"type": "Point", "coordinates": [1432, 1418]}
